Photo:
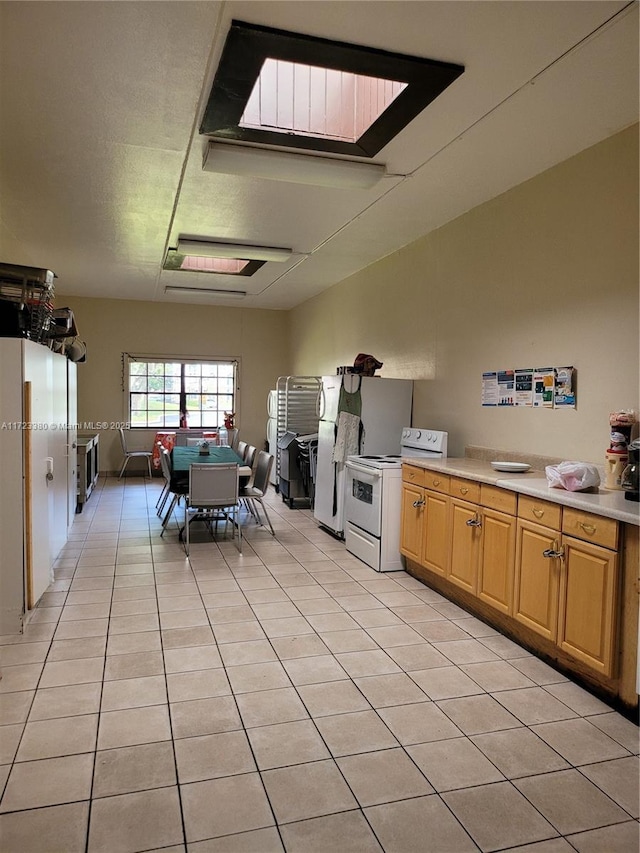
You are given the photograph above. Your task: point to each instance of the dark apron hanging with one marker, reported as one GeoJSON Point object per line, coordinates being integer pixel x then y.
{"type": "Point", "coordinates": [347, 432]}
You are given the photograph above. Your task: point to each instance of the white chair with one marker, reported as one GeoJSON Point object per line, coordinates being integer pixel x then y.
{"type": "Point", "coordinates": [213, 493]}
{"type": "Point", "coordinates": [254, 493]}
{"type": "Point", "coordinates": [133, 454]}
{"type": "Point", "coordinates": [193, 442]}
{"type": "Point", "coordinates": [183, 435]}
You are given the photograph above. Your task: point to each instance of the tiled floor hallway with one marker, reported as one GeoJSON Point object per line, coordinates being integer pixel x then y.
{"type": "Point", "coordinates": [287, 699]}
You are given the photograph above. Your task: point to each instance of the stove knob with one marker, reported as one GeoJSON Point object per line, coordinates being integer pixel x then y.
{"type": "Point", "coordinates": [418, 433]}
{"type": "Point", "coordinates": [434, 437]}
{"type": "Point", "coordinates": [428, 436]}
{"type": "Point", "coordinates": [406, 433]}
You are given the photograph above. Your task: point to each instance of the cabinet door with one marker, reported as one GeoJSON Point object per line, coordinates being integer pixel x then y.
{"type": "Point", "coordinates": [411, 523]}
{"type": "Point", "coordinates": [435, 546]}
{"type": "Point", "coordinates": [465, 530]}
{"type": "Point", "coordinates": [496, 567]}
{"type": "Point", "coordinates": [588, 599]}
{"type": "Point", "coordinates": [537, 579]}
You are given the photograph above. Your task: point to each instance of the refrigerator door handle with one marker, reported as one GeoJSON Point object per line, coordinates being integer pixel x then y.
{"type": "Point", "coordinates": [321, 405]}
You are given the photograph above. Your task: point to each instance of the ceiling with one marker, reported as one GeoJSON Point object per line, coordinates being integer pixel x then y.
{"type": "Point", "coordinates": [101, 158]}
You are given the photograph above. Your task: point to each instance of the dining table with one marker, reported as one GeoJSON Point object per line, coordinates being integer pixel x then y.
{"type": "Point", "coordinates": [183, 457]}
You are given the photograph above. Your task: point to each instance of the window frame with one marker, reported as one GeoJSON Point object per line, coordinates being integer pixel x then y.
{"type": "Point", "coordinates": [129, 358]}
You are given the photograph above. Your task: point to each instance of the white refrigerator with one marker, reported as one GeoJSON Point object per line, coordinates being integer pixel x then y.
{"type": "Point", "coordinates": [386, 409]}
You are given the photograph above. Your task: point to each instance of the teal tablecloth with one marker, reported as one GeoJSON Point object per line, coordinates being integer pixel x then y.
{"type": "Point", "coordinates": [182, 457]}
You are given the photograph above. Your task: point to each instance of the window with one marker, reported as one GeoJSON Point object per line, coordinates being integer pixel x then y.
{"type": "Point", "coordinates": [179, 392]}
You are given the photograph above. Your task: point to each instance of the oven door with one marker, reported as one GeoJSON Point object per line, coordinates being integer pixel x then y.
{"type": "Point", "coordinates": [364, 497]}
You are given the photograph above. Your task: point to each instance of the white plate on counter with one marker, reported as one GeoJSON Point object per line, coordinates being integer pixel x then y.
{"type": "Point", "coordinates": [513, 467]}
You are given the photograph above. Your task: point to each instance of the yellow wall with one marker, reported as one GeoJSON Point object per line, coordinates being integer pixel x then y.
{"type": "Point", "coordinates": [544, 275]}
{"type": "Point", "coordinates": [111, 327]}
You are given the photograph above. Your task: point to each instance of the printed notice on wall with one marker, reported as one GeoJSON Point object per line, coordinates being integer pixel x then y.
{"type": "Point", "coordinates": [564, 392]}
{"type": "Point", "coordinates": [505, 388]}
{"type": "Point", "coordinates": [490, 389]}
{"type": "Point", "coordinates": [543, 384]}
{"type": "Point", "coordinates": [539, 387]}
{"type": "Point", "coordinates": [524, 387]}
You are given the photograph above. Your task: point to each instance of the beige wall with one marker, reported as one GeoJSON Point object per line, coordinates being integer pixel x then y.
{"type": "Point", "coordinates": [544, 275]}
{"type": "Point", "coordinates": [111, 327]}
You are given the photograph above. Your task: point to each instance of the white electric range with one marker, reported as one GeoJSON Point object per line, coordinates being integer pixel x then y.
{"type": "Point", "coordinates": [374, 498]}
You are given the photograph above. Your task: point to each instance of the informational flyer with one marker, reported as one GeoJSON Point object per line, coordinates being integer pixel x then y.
{"type": "Point", "coordinates": [564, 394]}
{"type": "Point", "coordinates": [506, 386]}
{"type": "Point", "coordinates": [524, 386]}
{"type": "Point", "coordinates": [490, 389]}
{"type": "Point", "coordinates": [543, 385]}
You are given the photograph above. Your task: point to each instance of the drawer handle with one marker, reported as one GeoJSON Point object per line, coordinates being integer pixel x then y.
{"type": "Point", "coordinates": [588, 528]}
{"type": "Point", "coordinates": [554, 553]}
{"type": "Point", "coordinates": [436, 482]}
{"type": "Point", "coordinates": [418, 503]}
{"type": "Point", "coordinates": [464, 490]}
{"type": "Point", "coordinates": [538, 512]}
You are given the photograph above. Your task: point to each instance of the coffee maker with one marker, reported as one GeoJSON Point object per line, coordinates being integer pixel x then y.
{"type": "Point", "coordinates": [622, 424]}
{"type": "Point", "coordinates": [630, 480]}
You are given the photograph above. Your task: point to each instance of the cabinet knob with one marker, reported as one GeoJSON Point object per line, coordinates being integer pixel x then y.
{"type": "Point", "coordinates": [588, 528]}
{"type": "Point", "coordinates": [538, 512]}
{"type": "Point", "coordinates": [463, 490]}
{"type": "Point", "coordinates": [436, 482]}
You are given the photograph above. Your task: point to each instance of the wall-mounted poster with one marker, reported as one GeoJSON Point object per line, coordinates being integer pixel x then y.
{"type": "Point", "coordinates": [490, 389]}
{"type": "Point", "coordinates": [543, 384]}
{"type": "Point", "coordinates": [506, 391]}
{"type": "Point", "coordinates": [565, 395]}
{"type": "Point", "coordinates": [524, 387]}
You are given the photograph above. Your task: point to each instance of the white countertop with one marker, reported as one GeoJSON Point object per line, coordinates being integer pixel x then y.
{"type": "Point", "coordinates": [605, 502]}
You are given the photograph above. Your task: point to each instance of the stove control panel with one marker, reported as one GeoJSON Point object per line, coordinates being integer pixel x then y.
{"type": "Point", "coordinates": [428, 441]}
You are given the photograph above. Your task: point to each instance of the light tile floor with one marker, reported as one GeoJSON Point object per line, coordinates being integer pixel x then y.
{"type": "Point", "coordinates": [287, 699]}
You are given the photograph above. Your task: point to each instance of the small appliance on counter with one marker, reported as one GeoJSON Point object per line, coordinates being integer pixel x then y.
{"type": "Point", "coordinates": [622, 424]}
{"type": "Point", "coordinates": [630, 480]}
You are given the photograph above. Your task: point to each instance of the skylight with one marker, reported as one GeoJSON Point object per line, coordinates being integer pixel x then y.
{"type": "Point", "coordinates": [305, 99]}
{"type": "Point", "coordinates": [277, 88]}
{"type": "Point", "coordinates": [180, 262]}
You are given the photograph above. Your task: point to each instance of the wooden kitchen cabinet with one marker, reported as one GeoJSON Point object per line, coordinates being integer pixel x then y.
{"type": "Point", "coordinates": [565, 587]}
{"type": "Point", "coordinates": [425, 521]}
{"type": "Point", "coordinates": [588, 603]}
{"type": "Point", "coordinates": [537, 578]}
{"type": "Point", "coordinates": [495, 568]}
{"type": "Point", "coordinates": [464, 536]}
{"type": "Point", "coordinates": [435, 542]}
{"type": "Point", "coordinates": [412, 521]}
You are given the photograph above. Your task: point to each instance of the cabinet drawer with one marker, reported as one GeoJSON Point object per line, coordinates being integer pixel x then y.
{"type": "Point", "coordinates": [437, 482]}
{"type": "Point", "coordinates": [541, 512]}
{"type": "Point", "coordinates": [466, 489]}
{"type": "Point", "coordinates": [500, 499]}
{"type": "Point", "coordinates": [411, 474]}
{"type": "Point", "coordinates": [590, 527]}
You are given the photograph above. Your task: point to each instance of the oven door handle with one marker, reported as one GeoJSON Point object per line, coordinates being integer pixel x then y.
{"type": "Point", "coordinates": [363, 469]}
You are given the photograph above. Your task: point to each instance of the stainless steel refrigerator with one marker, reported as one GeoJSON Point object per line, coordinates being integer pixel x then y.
{"type": "Point", "coordinates": [386, 409]}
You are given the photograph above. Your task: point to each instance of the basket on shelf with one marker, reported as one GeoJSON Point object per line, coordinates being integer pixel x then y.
{"type": "Point", "coordinates": [26, 301]}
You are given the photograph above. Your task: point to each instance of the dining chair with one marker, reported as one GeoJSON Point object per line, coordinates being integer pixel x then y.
{"type": "Point", "coordinates": [193, 442]}
{"type": "Point", "coordinates": [254, 493]}
{"type": "Point", "coordinates": [249, 455]}
{"type": "Point", "coordinates": [213, 494]}
{"type": "Point", "coordinates": [242, 446]}
{"type": "Point", "coordinates": [133, 454]}
{"type": "Point", "coordinates": [233, 435]}
{"type": "Point", "coordinates": [177, 492]}
{"type": "Point", "coordinates": [164, 494]}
